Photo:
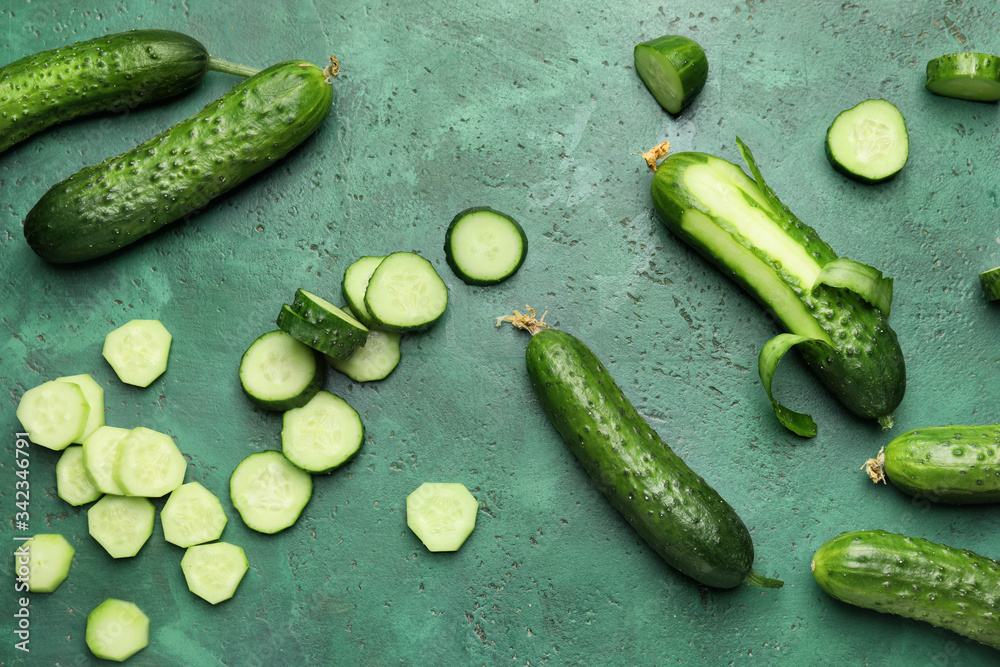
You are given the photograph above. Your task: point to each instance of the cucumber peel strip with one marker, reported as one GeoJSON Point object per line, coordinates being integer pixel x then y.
{"type": "Point", "coordinates": [772, 352]}
{"type": "Point", "coordinates": [865, 281]}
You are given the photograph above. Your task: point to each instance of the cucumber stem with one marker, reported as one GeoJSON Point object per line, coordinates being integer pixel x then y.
{"type": "Point", "coordinates": [755, 579]}
{"type": "Point", "coordinates": [529, 322]}
{"type": "Point", "coordinates": [876, 467]}
{"type": "Point", "coordinates": [332, 70]}
{"type": "Point", "coordinates": [220, 65]}
{"type": "Point", "coordinates": [655, 154]}
{"type": "Point", "coordinates": [886, 421]}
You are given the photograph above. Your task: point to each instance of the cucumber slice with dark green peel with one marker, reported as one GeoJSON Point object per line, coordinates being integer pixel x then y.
{"type": "Point", "coordinates": [484, 246]}
{"type": "Point", "coordinates": [94, 394]}
{"type": "Point", "coordinates": [441, 514]}
{"type": "Point", "coordinates": [374, 360]}
{"type": "Point", "coordinates": [355, 283]}
{"type": "Point", "coordinates": [117, 630]}
{"type": "Point", "coordinates": [43, 562]}
{"type": "Point", "coordinates": [405, 293]}
{"type": "Point", "coordinates": [214, 571]}
{"type": "Point", "coordinates": [73, 484]}
{"type": "Point", "coordinates": [868, 142]}
{"type": "Point", "coordinates": [149, 464]}
{"type": "Point", "coordinates": [965, 76]}
{"type": "Point", "coordinates": [100, 451]}
{"type": "Point", "coordinates": [338, 341]}
{"type": "Point", "coordinates": [990, 280]}
{"type": "Point", "coordinates": [192, 515]}
{"type": "Point", "coordinates": [674, 69]}
{"type": "Point", "coordinates": [121, 524]}
{"type": "Point", "coordinates": [279, 372]}
{"type": "Point", "coordinates": [54, 414]}
{"type": "Point", "coordinates": [323, 434]}
{"type": "Point", "coordinates": [269, 491]}
{"type": "Point", "coordinates": [322, 313]}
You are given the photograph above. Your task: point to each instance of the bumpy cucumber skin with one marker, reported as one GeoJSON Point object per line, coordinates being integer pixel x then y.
{"type": "Point", "coordinates": [687, 57]}
{"type": "Point", "coordinates": [110, 73]}
{"type": "Point", "coordinates": [947, 464]}
{"type": "Point", "coordinates": [963, 66]}
{"type": "Point", "coordinates": [114, 203]}
{"type": "Point", "coordinates": [990, 282]}
{"type": "Point", "coordinates": [868, 372]}
{"type": "Point", "coordinates": [681, 517]}
{"type": "Point", "coordinates": [912, 577]}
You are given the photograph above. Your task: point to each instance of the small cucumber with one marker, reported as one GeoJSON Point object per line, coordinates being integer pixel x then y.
{"type": "Point", "coordinates": [966, 76]}
{"type": "Point", "coordinates": [674, 69]}
{"type": "Point", "coordinates": [109, 205]}
{"type": "Point", "coordinates": [912, 577]}
{"type": "Point", "coordinates": [868, 142]}
{"type": "Point", "coordinates": [948, 464]}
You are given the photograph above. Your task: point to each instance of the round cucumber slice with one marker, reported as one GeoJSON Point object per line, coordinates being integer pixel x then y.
{"type": "Point", "coordinates": [484, 246]}
{"type": "Point", "coordinates": [269, 491]}
{"type": "Point", "coordinates": [355, 283]}
{"type": "Point", "coordinates": [868, 142]}
{"type": "Point", "coordinates": [214, 571]}
{"type": "Point", "coordinates": [405, 293]}
{"type": "Point", "coordinates": [43, 562]}
{"type": "Point", "coordinates": [374, 360]}
{"type": "Point", "coordinates": [322, 434]}
{"type": "Point", "coordinates": [441, 514]}
{"type": "Point", "coordinates": [192, 515]}
{"type": "Point", "coordinates": [279, 372]}
{"type": "Point", "coordinates": [674, 68]}
{"type": "Point", "coordinates": [94, 394]}
{"type": "Point", "coordinates": [73, 484]}
{"type": "Point", "coordinates": [117, 630]}
{"type": "Point", "coordinates": [100, 451]}
{"type": "Point", "coordinates": [149, 464]}
{"type": "Point", "coordinates": [138, 351]}
{"type": "Point", "coordinates": [965, 76]}
{"type": "Point", "coordinates": [121, 524]}
{"type": "Point", "coordinates": [54, 414]}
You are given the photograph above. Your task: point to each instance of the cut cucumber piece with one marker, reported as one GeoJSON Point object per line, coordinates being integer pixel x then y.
{"type": "Point", "coordinates": [43, 562]}
{"type": "Point", "coordinates": [355, 283]}
{"type": "Point", "coordinates": [334, 342]}
{"type": "Point", "coordinates": [278, 372]}
{"type": "Point", "coordinates": [73, 484]}
{"type": "Point", "coordinates": [94, 394]}
{"type": "Point", "coordinates": [990, 280]}
{"type": "Point", "coordinates": [269, 491]}
{"type": "Point", "coordinates": [868, 142]}
{"type": "Point", "coordinates": [121, 524]}
{"type": "Point", "coordinates": [441, 514]}
{"type": "Point", "coordinates": [54, 414]}
{"type": "Point", "coordinates": [117, 630]}
{"type": "Point", "coordinates": [100, 451]}
{"type": "Point", "coordinates": [148, 464]}
{"type": "Point", "coordinates": [138, 351]}
{"type": "Point", "coordinates": [405, 293]}
{"type": "Point", "coordinates": [214, 571]}
{"type": "Point", "coordinates": [192, 515]}
{"type": "Point", "coordinates": [966, 76]}
{"type": "Point", "coordinates": [484, 247]}
{"type": "Point", "coordinates": [374, 360]}
{"type": "Point", "coordinates": [674, 69]}
{"type": "Point", "coordinates": [322, 434]}
{"type": "Point", "coordinates": [325, 315]}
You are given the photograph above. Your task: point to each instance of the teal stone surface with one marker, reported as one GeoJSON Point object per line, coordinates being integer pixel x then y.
{"type": "Point", "coordinates": [534, 109]}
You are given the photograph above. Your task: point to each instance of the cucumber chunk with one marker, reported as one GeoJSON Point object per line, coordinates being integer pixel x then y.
{"type": "Point", "coordinates": [279, 372]}
{"type": "Point", "coordinates": [674, 69]}
{"type": "Point", "coordinates": [868, 142]}
{"type": "Point", "coordinates": [138, 351]}
{"type": "Point", "coordinates": [484, 246]}
{"type": "Point", "coordinates": [355, 283]}
{"type": "Point", "coordinates": [269, 491]}
{"type": "Point", "coordinates": [94, 394]}
{"type": "Point", "coordinates": [322, 434]}
{"type": "Point", "coordinates": [43, 562]}
{"type": "Point", "coordinates": [322, 313]}
{"type": "Point", "coordinates": [214, 571]}
{"type": "Point", "coordinates": [990, 281]}
{"type": "Point", "coordinates": [100, 451]}
{"type": "Point", "coordinates": [338, 342]}
{"type": "Point", "coordinates": [121, 524]}
{"type": "Point", "coordinates": [192, 515]}
{"type": "Point", "coordinates": [148, 464]}
{"type": "Point", "coordinates": [117, 630]}
{"type": "Point", "coordinates": [374, 360]}
{"type": "Point", "coordinates": [405, 293]}
{"type": "Point", "coordinates": [965, 76]}
{"type": "Point", "coordinates": [441, 514]}
{"type": "Point", "coordinates": [54, 414]}
{"type": "Point", "coordinates": [73, 483]}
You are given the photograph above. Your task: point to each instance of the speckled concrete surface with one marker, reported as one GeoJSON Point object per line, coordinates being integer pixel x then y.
{"type": "Point", "coordinates": [533, 109]}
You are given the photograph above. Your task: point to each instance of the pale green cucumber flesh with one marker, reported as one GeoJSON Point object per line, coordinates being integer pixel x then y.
{"type": "Point", "coordinates": [138, 351]}
{"type": "Point", "coordinates": [100, 451]}
{"type": "Point", "coordinates": [43, 562]}
{"type": "Point", "coordinates": [674, 69]}
{"type": "Point", "coordinates": [192, 515]}
{"type": "Point", "coordinates": [374, 360]}
{"type": "Point", "coordinates": [868, 142]}
{"type": "Point", "coordinates": [405, 293]}
{"type": "Point", "coordinates": [54, 414]}
{"type": "Point", "coordinates": [441, 514]}
{"type": "Point", "coordinates": [321, 435]}
{"type": "Point", "coordinates": [269, 491]}
{"type": "Point", "coordinates": [355, 283]}
{"type": "Point", "coordinates": [149, 464]}
{"type": "Point", "coordinates": [117, 630]}
{"type": "Point", "coordinates": [279, 372]}
{"type": "Point", "coordinates": [214, 571]}
{"type": "Point", "coordinates": [94, 394]}
{"type": "Point", "coordinates": [121, 524]}
{"type": "Point", "coordinates": [73, 483]}
{"type": "Point", "coordinates": [484, 246]}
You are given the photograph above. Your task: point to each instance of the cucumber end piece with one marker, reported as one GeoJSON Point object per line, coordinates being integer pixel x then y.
{"type": "Point", "coordinates": [673, 68]}
{"type": "Point", "coordinates": [759, 580]}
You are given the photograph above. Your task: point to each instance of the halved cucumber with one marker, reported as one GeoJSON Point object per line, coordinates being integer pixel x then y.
{"type": "Point", "coordinates": [374, 360]}
{"type": "Point", "coordinates": [269, 491]}
{"type": "Point", "coordinates": [73, 484]}
{"type": "Point", "coordinates": [990, 280]}
{"type": "Point", "coordinates": [484, 246]}
{"type": "Point", "coordinates": [966, 76]}
{"type": "Point", "coordinates": [279, 372]}
{"type": "Point", "coordinates": [43, 562]}
{"type": "Point", "coordinates": [138, 351]}
{"type": "Point", "coordinates": [868, 142]}
{"type": "Point", "coordinates": [121, 524]}
{"type": "Point", "coordinates": [192, 515]}
{"type": "Point", "coordinates": [354, 284]}
{"type": "Point", "coordinates": [214, 571]}
{"type": "Point", "coordinates": [149, 464]}
{"type": "Point", "coordinates": [441, 514]}
{"type": "Point", "coordinates": [94, 394]}
{"type": "Point", "coordinates": [100, 451]}
{"type": "Point", "coordinates": [322, 434]}
{"type": "Point", "coordinates": [336, 341]}
{"type": "Point", "coordinates": [674, 69]}
{"type": "Point", "coordinates": [54, 414]}
{"type": "Point", "coordinates": [117, 630]}
{"type": "Point", "coordinates": [405, 293]}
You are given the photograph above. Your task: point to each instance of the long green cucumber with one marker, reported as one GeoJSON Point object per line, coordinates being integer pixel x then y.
{"type": "Point", "coordinates": [913, 577]}
{"type": "Point", "coordinates": [109, 73]}
{"type": "Point", "coordinates": [947, 464]}
{"type": "Point", "coordinates": [109, 205]}
{"type": "Point", "coordinates": [833, 309]}
{"type": "Point", "coordinates": [685, 521]}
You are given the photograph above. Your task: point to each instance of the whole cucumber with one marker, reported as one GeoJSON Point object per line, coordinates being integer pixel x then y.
{"type": "Point", "coordinates": [679, 515]}
{"type": "Point", "coordinates": [109, 205]}
{"type": "Point", "coordinates": [109, 73]}
{"type": "Point", "coordinates": [916, 578]}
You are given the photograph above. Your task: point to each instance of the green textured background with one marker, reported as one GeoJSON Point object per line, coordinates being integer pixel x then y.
{"type": "Point", "coordinates": [533, 108]}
